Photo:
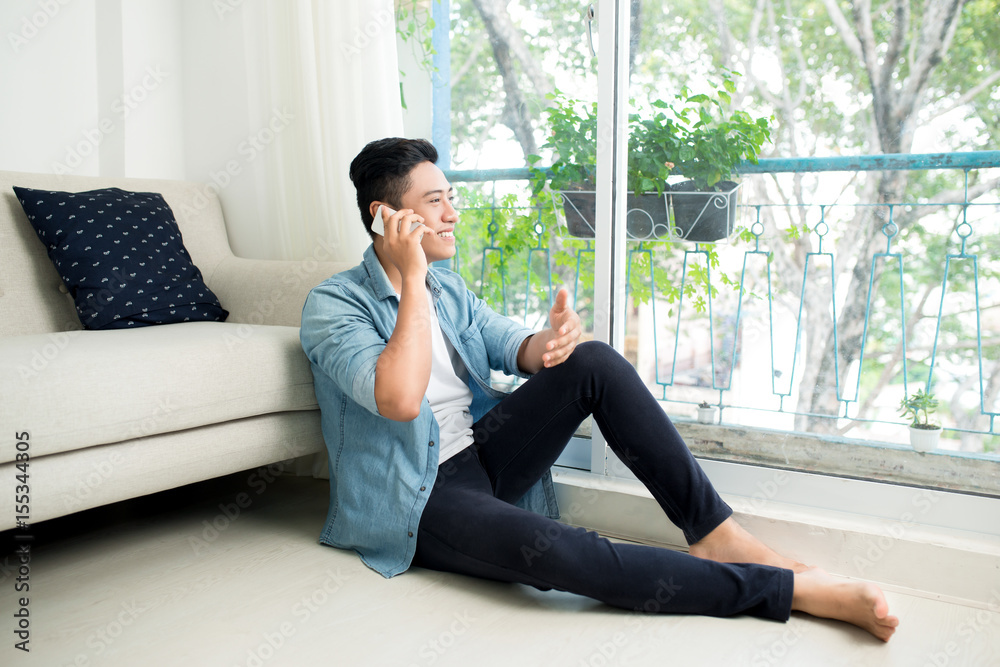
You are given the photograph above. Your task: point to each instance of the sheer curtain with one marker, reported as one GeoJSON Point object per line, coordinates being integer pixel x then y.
{"type": "Point", "coordinates": [326, 82]}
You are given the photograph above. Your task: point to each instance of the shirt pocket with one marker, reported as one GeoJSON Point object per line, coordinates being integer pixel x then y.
{"type": "Point", "coordinates": [473, 347]}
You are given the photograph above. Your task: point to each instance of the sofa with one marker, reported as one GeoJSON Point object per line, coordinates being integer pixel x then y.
{"type": "Point", "coordinates": [100, 416]}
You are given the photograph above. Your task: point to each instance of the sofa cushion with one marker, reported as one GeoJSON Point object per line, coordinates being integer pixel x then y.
{"type": "Point", "coordinates": [78, 389]}
{"type": "Point", "coordinates": [121, 256]}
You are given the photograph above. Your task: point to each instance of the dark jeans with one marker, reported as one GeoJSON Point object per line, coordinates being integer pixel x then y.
{"type": "Point", "coordinates": [470, 525]}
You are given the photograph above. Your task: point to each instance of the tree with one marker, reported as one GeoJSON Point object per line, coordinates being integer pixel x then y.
{"type": "Point", "coordinates": [839, 76]}
{"type": "Point", "coordinates": [900, 53]}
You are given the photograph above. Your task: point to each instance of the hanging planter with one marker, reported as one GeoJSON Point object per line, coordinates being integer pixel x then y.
{"type": "Point", "coordinates": [704, 216]}
{"type": "Point", "coordinates": [647, 217]}
{"type": "Point", "coordinates": [697, 136]}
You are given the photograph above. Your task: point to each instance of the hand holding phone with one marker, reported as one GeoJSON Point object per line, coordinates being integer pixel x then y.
{"type": "Point", "coordinates": [378, 224]}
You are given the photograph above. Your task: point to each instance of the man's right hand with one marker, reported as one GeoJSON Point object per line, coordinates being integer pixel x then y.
{"type": "Point", "coordinates": [402, 244]}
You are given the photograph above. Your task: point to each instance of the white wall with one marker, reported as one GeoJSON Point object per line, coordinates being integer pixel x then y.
{"type": "Point", "coordinates": [219, 116]}
{"type": "Point", "coordinates": [149, 88]}
{"type": "Point", "coordinates": [48, 74]}
{"type": "Point", "coordinates": [139, 88]}
{"type": "Point", "coordinates": [92, 87]}
{"type": "Point", "coordinates": [418, 91]}
{"type": "Point", "coordinates": [152, 93]}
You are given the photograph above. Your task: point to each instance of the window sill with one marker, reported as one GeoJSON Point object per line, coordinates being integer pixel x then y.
{"type": "Point", "coordinates": [842, 457]}
{"type": "Point", "coordinates": [903, 553]}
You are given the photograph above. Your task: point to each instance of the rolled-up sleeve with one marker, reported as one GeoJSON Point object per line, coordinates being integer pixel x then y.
{"type": "Point", "coordinates": [339, 337]}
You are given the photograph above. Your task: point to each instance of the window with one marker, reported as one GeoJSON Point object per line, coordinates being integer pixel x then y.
{"type": "Point", "coordinates": [841, 283]}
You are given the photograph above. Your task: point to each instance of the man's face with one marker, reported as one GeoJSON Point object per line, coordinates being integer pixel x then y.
{"type": "Point", "coordinates": [432, 197]}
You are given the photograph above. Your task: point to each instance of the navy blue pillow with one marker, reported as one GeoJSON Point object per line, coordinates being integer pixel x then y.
{"type": "Point", "coordinates": [121, 256]}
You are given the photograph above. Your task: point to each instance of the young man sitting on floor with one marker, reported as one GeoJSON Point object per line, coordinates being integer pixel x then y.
{"type": "Point", "coordinates": [430, 466]}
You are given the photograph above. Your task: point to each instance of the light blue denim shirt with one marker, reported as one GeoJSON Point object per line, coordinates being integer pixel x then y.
{"type": "Point", "coordinates": [382, 471]}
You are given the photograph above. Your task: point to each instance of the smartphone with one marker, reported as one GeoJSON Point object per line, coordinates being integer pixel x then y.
{"type": "Point", "coordinates": [378, 224]}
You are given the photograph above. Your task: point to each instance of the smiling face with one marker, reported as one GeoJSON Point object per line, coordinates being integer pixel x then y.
{"type": "Point", "coordinates": [431, 196]}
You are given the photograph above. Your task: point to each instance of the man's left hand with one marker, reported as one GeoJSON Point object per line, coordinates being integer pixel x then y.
{"type": "Point", "coordinates": [564, 333]}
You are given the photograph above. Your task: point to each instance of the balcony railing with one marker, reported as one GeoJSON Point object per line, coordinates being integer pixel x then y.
{"type": "Point", "coordinates": [788, 298]}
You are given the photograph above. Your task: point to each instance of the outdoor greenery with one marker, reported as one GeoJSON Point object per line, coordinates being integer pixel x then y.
{"type": "Point", "coordinates": [696, 135]}
{"type": "Point", "coordinates": [834, 78]}
{"type": "Point", "coordinates": [918, 408]}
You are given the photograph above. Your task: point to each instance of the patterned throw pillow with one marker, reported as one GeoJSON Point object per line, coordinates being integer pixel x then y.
{"type": "Point", "coordinates": [121, 256]}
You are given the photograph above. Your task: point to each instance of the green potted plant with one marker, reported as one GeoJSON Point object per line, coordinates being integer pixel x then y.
{"type": "Point", "coordinates": [694, 136]}
{"type": "Point", "coordinates": [715, 142]}
{"type": "Point", "coordinates": [573, 139]}
{"type": "Point", "coordinates": [918, 408]}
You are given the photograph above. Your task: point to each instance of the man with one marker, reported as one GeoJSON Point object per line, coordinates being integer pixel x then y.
{"type": "Point", "coordinates": [432, 467]}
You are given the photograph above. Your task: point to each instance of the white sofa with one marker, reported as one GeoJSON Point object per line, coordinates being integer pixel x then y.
{"type": "Point", "coordinates": [117, 414]}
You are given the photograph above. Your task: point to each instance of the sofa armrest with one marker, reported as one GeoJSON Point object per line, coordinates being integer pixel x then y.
{"type": "Point", "coordinates": [267, 291]}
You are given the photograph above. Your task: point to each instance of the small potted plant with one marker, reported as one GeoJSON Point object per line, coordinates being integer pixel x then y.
{"type": "Point", "coordinates": [694, 136]}
{"type": "Point", "coordinates": [706, 413]}
{"type": "Point", "coordinates": [918, 408]}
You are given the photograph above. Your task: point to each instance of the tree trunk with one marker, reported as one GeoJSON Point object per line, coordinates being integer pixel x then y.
{"type": "Point", "coordinates": [511, 54]}
{"type": "Point", "coordinates": [897, 96]}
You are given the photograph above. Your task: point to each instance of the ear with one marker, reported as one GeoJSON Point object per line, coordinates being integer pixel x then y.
{"type": "Point", "coordinates": [374, 207]}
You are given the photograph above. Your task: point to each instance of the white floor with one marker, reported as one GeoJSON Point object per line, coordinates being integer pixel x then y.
{"type": "Point", "coordinates": [138, 586]}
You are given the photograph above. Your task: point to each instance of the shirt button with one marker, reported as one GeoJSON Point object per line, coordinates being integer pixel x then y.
{"type": "Point", "coordinates": [410, 533]}
{"type": "Point", "coordinates": [423, 488]}
{"type": "Point", "coordinates": [431, 444]}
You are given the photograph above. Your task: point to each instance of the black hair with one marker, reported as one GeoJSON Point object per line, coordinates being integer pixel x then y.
{"type": "Point", "coordinates": [381, 172]}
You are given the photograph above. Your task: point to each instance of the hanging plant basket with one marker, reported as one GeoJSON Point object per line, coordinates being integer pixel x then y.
{"type": "Point", "coordinates": [700, 217]}
{"type": "Point", "coordinates": [647, 217]}
{"type": "Point", "coordinates": [704, 216]}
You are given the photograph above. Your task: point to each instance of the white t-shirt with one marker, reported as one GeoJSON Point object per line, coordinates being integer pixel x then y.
{"type": "Point", "coordinates": [447, 392]}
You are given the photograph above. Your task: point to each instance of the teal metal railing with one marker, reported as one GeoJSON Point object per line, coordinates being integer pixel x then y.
{"type": "Point", "coordinates": [756, 253]}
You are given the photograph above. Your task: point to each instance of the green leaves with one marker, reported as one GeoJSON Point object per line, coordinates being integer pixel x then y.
{"type": "Point", "coordinates": [917, 404]}
{"type": "Point", "coordinates": [692, 134]}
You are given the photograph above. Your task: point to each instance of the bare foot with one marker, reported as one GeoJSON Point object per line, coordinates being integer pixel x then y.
{"type": "Point", "coordinates": [731, 543]}
{"type": "Point", "coordinates": [857, 602]}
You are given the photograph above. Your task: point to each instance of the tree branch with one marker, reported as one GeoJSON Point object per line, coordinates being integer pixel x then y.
{"type": "Point", "coordinates": [939, 23]}
{"type": "Point", "coordinates": [967, 96]}
{"type": "Point", "coordinates": [899, 31]}
{"type": "Point", "coordinates": [500, 27]}
{"type": "Point", "coordinates": [503, 34]}
{"type": "Point", "coordinates": [843, 28]}
{"type": "Point", "coordinates": [469, 62]}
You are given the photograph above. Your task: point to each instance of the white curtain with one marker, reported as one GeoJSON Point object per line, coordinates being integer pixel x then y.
{"type": "Point", "coordinates": [331, 65]}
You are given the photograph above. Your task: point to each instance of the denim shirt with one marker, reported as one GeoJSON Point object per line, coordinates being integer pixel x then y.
{"type": "Point", "coordinates": [382, 471]}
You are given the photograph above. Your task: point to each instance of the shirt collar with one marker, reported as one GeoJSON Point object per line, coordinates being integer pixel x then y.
{"type": "Point", "coordinates": [380, 281]}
